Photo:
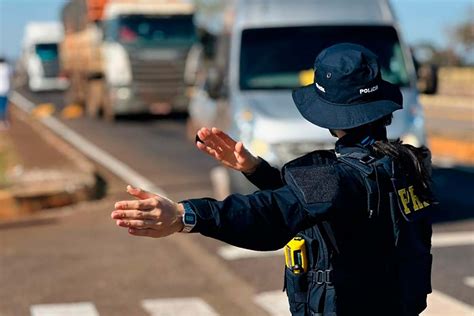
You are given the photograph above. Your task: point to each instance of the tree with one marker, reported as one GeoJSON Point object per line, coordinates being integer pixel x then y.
{"type": "Point", "coordinates": [462, 37]}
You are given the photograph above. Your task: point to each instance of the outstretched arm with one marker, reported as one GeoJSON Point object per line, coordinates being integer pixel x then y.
{"type": "Point", "coordinates": [234, 155]}
{"type": "Point", "coordinates": [265, 220]}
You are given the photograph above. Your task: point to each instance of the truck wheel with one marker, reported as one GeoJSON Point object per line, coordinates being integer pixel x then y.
{"type": "Point", "coordinates": [108, 113]}
{"type": "Point", "coordinates": [73, 95]}
{"type": "Point", "coordinates": [94, 98]}
{"type": "Point", "coordinates": [191, 129]}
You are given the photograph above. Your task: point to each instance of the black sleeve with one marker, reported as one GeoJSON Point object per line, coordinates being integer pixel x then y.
{"type": "Point", "coordinates": [264, 220]}
{"type": "Point", "coordinates": [265, 177]}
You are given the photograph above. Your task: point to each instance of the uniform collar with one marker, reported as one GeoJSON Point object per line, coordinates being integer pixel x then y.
{"type": "Point", "coordinates": [359, 141]}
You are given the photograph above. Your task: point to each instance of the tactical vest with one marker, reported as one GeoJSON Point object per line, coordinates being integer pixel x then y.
{"type": "Point", "coordinates": [314, 292]}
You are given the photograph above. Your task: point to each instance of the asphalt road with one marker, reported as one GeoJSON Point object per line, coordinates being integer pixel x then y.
{"type": "Point", "coordinates": [84, 258]}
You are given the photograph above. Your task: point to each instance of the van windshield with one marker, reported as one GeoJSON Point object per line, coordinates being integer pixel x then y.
{"type": "Point", "coordinates": [47, 52]}
{"type": "Point", "coordinates": [139, 29]}
{"type": "Point", "coordinates": [282, 58]}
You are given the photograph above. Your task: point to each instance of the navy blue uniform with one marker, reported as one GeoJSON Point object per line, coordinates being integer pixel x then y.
{"type": "Point", "coordinates": [319, 188]}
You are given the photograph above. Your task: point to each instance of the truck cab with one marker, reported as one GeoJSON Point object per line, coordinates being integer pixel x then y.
{"type": "Point", "coordinates": [40, 56]}
{"type": "Point", "coordinates": [144, 51]}
{"type": "Point", "coordinates": [128, 56]}
{"type": "Point", "coordinates": [272, 46]}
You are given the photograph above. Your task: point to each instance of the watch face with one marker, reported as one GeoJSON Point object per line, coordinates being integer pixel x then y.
{"type": "Point", "coordinates": [190, 219]}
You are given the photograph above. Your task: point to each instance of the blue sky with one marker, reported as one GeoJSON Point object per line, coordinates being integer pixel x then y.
{"type": "Point", "coordinates": [420, 19]}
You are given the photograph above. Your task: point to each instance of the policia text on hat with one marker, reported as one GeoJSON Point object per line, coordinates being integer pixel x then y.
{"type": "Point", "coordinates": [356, 219]}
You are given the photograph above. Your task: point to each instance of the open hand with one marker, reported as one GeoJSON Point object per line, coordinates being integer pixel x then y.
{"type": "Point", "coordinates": [150, 215]}
{"type": "Point", "coordinates": [227, 151]}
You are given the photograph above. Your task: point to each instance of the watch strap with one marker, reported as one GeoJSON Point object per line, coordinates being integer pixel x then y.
{"type": "Point", "coordinates": [189, 218]}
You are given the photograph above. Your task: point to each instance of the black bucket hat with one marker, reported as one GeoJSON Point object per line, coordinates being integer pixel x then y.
{"type": "Point", "coordinates": [348, 90]}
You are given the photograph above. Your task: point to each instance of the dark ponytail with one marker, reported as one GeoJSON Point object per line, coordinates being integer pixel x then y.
{"type": "Point", "coordinates": [416, 161]}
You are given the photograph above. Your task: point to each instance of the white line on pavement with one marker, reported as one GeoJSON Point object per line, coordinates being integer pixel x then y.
{"type": "Point", "coordinates": [440, 304]}
{"type": "Point", "coordinates": [274, 303]}
{"type": "Point", "coordinates": [234, 253]}
{"type": "Point", "coordinates": [178, 307]}
{"type": "Point", "coordinates": [469, 281]}
{"type": "Point", "coordinates": [71, 309]}
{"type": "Point", "coordinates": [452, 239]}
{"type": "Point", "coordinates": [95, 153]}
{"type": "Point", "coordinates": [438, 240]}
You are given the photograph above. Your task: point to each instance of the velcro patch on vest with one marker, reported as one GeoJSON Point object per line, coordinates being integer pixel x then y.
{"type": "Point", "coordinates": [314, 184]}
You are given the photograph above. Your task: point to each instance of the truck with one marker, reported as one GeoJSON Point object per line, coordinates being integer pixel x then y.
{"type": "Point", "coordinates": [265, 49]}
{"type": "Point", "coordinates": [39, 60]}
{"type": "Point", "coordinates": [127, 56]}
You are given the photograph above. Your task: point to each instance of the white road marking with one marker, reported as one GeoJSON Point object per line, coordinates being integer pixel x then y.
{"type": "Point", "coordinates": [438, 240]}
{"type": "Point", "coordinates": [275, 303]}
{"type": "Point", "coordinates": [440, 304]}
{"type": "Point", "coordinates": [123, 171]}
{"type": "Point", "coordinates": [469, 281]}
{"type": "Point", "coordinates": [178, 307]}
{"type": "Point", "coordinates": [234, 253]}
{"type": "Point", "coordinates": [71, 309]}
{"type": "Point", "coordinates": [444, 162]}
{"type": "Point", "coordinates": [453, 239]}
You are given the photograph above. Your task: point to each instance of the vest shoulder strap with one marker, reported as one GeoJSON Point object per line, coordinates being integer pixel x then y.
{"type": "Point", "coordinates": [361, 161]}
{"type": "Point", "coordinates": [367, 165]}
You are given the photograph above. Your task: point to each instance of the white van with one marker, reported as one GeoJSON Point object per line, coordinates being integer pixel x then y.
{"type": "Point", "coordinates": [271, 50]}
{"type": "Point", "coordinates": [40, 56]}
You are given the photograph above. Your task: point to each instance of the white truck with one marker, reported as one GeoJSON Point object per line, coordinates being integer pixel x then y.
{"type": "Point", "coordinates": [40, 57]}
{"type": "Point", "coordinates": [128, 56]}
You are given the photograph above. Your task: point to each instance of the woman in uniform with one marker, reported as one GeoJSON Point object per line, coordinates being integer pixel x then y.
{"type": "Point", "coordinates": [355, 220]}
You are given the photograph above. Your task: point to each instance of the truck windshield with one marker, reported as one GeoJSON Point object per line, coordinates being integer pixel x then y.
{"type": "Point", "coordinates": [282, 58]}
{"type": "Point", "coordinates": [47, 52]}
{"type": "Point", "coordinates": [153, 30]}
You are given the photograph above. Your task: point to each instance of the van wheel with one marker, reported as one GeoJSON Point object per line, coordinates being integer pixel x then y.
{"type": "Point", "coordinates": [220, 182]}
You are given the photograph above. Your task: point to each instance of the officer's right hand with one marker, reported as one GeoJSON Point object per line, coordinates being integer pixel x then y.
{"type": "Point", "coordinates": [227, 151]}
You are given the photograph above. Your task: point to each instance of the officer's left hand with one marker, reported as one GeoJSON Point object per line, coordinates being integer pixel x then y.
{"type": "Point", "coordinates": [151, 215]}
{"type": "Point", "coordinates": [226, 150]}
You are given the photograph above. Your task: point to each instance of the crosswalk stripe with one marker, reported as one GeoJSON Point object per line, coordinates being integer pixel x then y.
{"type": "Point", "coordinates": [68, 309]}
{"type": "Point", "coordinates": [469, 281]}
{"type": "Point", "coordinates": [178, 307]}
{"type": "Point", "coordinates": [234, 253]}
{"type": "Point", "coordinates": [274, 303]}
{"type": "Point", "coordinates": [438, 240]}
{"type": "Point", "coordinates": [453, 239]}
{"type": "Point", "coordinates": [440, 304]}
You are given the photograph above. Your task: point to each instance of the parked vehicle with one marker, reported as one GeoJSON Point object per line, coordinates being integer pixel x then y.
{"type": "Point", "coordinates": [268, 49]}
{"type": "Point", "coordinates": [129, 56]}
{"type": "Point", "coordinates": [40, 57]}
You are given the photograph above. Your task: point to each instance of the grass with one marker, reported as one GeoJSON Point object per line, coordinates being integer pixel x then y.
{"type": "Point", "coordinates": [8, 158]}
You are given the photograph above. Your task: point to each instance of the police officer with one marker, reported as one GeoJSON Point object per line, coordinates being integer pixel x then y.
{"type": "Point", "coordinates": [362, 211]}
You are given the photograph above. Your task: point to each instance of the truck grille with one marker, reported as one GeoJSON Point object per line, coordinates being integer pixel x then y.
{"type": "Point", "coordinates": [50, 68]}
{"type": "Point", "coordinates": [158, 80]}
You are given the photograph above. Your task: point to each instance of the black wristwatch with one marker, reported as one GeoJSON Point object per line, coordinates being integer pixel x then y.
{"type": "Point", "coordinates": [189, 218]}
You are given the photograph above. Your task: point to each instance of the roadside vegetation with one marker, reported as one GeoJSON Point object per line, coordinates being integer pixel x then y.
{"type": "Point", "coordinates": [8, 159]}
